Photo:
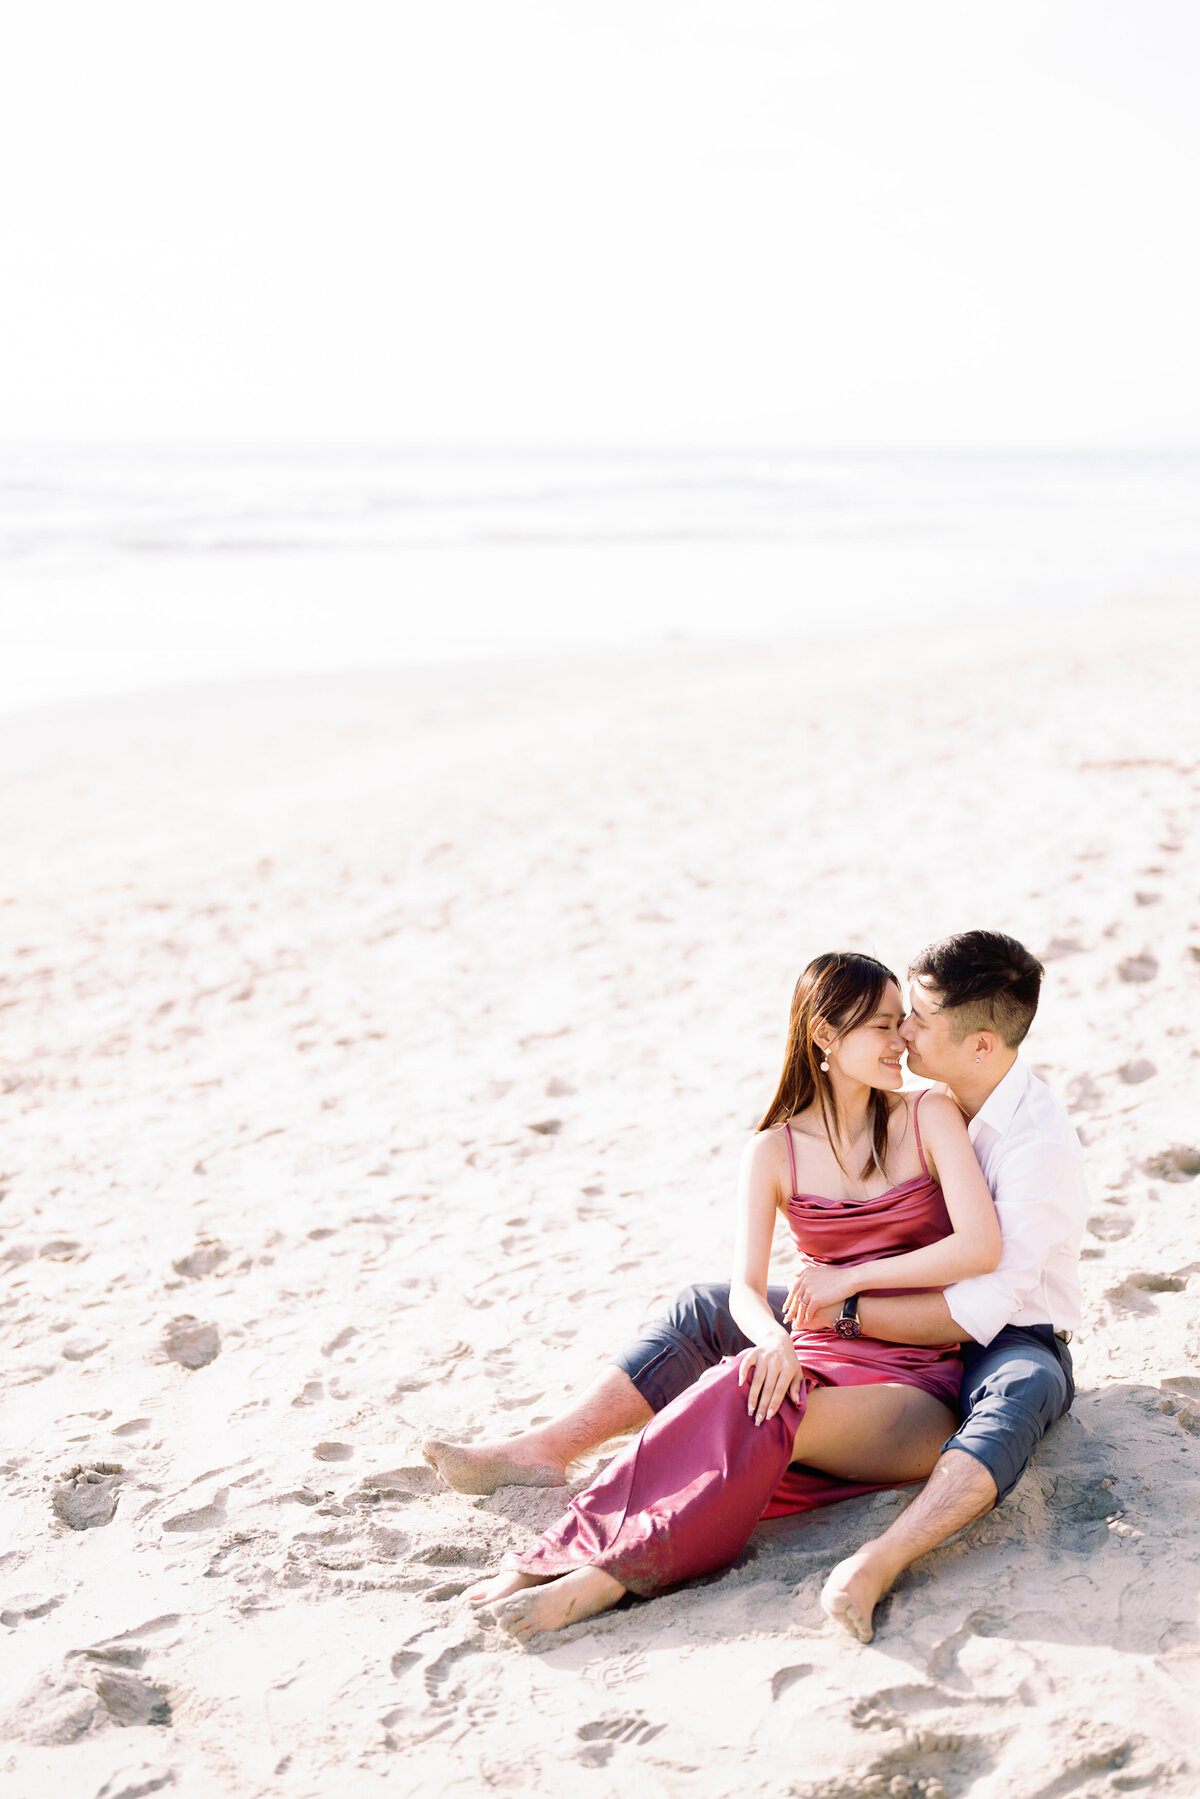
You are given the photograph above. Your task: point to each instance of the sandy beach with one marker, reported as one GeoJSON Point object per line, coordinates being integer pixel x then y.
{"type": "Point", "coordinates": [376, 1051]}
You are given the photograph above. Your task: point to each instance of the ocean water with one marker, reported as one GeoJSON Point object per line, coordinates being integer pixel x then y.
{"type": "Point", "coordinates": [123, 569]}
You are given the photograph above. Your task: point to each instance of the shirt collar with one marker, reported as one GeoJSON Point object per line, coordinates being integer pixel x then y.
{"type": "Point", "coordinates": [998, 1108]}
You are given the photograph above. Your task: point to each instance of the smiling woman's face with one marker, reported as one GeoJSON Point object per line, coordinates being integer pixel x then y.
{"type": "Point", "coordinates": [871, 1052]}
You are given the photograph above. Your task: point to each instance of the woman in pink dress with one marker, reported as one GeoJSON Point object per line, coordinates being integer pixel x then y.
{"type": "Point", "coordinates": [881, 1191]}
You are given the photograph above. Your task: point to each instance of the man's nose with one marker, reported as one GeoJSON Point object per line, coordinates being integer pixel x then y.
{"type": "Point", "coordinates": [906, 1031]}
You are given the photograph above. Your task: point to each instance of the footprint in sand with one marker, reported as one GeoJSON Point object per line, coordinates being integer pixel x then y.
{"type": "Point", "coordinates": [1083, 1094]}
{"type": "Point", "coordinates": [204, 1259]}
{"type": "Point", "coordinates": [1138, 968]}
{"type": "Point", "coordinates": [913, 1769]}
{"type": "Point", "coordinates": [137, 1780]}
{"type": "Point", "coordinates": [891, 1706]}
{"type": "Point", "coordinates": [134, 1428]}
{"type": "Point", "coordinates": [1058, 947]}
{"type": "Point", "coordinates": [1110, 1227]}
{"type": "Point", "coordinates": [205, 1517]}
{"type": "Point", "coordinates": [1179, 1163]}
{"type": "Point", "coordinates": [191, 1343]}
{"type": "Point", "coordinates": [603, 1735]}
{"type": "Point", "coordinates": [1135, 1072]}
{"type": "Point", "coordinates": [86, 1497]}
{"type": "Point", "coordinates": [399, 1486]}
{"type": "Point", "coordinates": [1133, 1293]}
{"type": "Point", "coordinates": [434, 1369]}
{"type": "Point", "coordinates": [439, 1689]}
{"type": "Point", "coordinates": [59, 1249]}
{"type": "Point", "coordinates": [783, 1678]}
{"type": "Point", "coordinates": [24, 1608]}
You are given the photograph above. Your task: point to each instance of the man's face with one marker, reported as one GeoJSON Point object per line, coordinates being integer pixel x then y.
{"type": "Point", "coordinates": [929, 1040]}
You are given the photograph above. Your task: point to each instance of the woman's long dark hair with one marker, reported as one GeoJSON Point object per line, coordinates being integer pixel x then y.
{"type": "Point", "coordinates": [838, 990]}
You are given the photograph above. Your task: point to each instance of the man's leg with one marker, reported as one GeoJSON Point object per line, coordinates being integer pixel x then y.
{"type": "Point", "coordinates": [1013, 1391]}
{"type": "Point", "coordinates": [693, 1334]}
{"type": "Point", "coordinates": [959, 1490]}
{"type": "Point", "coordinates": [611, 1406]}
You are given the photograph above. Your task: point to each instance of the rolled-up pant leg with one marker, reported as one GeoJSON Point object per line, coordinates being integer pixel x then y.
{"type": "Point", "coordinates": [1014, 1388]}
{"type": "Point", "coordinates": [694, 1333]}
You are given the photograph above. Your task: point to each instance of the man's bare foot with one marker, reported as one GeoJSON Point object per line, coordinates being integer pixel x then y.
{"type": "Point", "coordinates": [500, 1586]}
{"type": "Point", "coordinates": [852, 1592]}
{"type": "Point", "coordinates": [482, 1467]}
{"type": "Point", "coordinates": [558, 1603]}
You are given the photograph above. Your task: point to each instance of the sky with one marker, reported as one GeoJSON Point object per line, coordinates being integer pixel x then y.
{"type": "Point", "coordinates": [850, 223]}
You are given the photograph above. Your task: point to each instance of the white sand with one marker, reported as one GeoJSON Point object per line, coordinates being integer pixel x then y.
{"type": "Point", "coordinates": [290, 971]}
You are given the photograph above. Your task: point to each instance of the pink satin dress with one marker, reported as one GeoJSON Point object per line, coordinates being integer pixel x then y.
{"type": "Point", "coordinates": [683, 1498]}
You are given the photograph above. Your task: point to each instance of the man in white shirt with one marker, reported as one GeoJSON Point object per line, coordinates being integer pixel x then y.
{"type": "Point", "coordinates": [972, 1000]}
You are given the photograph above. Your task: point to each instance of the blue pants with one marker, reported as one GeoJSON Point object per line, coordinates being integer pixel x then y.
{"type": "Point", "coordinates": [1014, 1388]}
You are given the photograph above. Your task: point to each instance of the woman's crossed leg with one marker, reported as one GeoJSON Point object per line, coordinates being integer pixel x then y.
{"type": "Point", "coordinates": [886, 1433]}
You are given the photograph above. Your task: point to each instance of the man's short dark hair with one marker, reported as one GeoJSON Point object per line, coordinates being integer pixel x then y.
{"type": "Point", "coordinates": [990, 982]}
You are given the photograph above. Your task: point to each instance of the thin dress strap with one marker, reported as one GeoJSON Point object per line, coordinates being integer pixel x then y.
{"type": "Point", "coordinates": [787, 1131]}
{"type": "Point", "coordinates": [917, 1129]}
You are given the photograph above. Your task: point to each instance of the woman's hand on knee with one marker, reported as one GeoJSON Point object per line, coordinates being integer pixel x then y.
{"type": "Point", "coordinates": [775, 1373]}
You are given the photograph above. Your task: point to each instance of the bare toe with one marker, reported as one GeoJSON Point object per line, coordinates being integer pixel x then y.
{"type": "Point", "coordinates": [515, 1618]}
{"type": "Point", "coordinates": [842, 1609]}
{"type": "Point", "coordinates": [851, 1593]}
{"type": "Point", "coordinates": [556, 1603]}
{"type": "Point", "coordinates": [498, 1586]}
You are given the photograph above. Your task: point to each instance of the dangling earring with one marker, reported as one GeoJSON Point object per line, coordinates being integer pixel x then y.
{"type": "Point", "coordinates": [824, 1068]}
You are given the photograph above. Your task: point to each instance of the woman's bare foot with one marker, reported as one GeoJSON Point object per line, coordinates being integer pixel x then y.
{"type": "Point", "coordinates": [500, 1586]}
{"type": "Point", "coordinates": [852, 1592]}
{"type": "Point", "coordinates": [482, 1467]}
{"type": "Point", "coordinates": [558, 1603]}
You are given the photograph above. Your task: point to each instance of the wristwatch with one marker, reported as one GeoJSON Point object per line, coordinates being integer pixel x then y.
{"type": "Point", "coordinates": [847, 1325]}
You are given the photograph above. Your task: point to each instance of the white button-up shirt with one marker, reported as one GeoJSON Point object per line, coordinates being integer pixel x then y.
{"type": "Point", "coordinates": [1033, 1164]}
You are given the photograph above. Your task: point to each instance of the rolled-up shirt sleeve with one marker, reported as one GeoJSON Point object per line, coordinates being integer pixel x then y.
{"type": "Point", "coordinates": [1036, 1190]}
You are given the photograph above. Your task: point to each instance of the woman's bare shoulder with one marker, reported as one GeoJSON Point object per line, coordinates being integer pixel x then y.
{"type": "Point", "coordinates": [765, 1155]}
{"type": "Point", "coordinates": [938, 1110]}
